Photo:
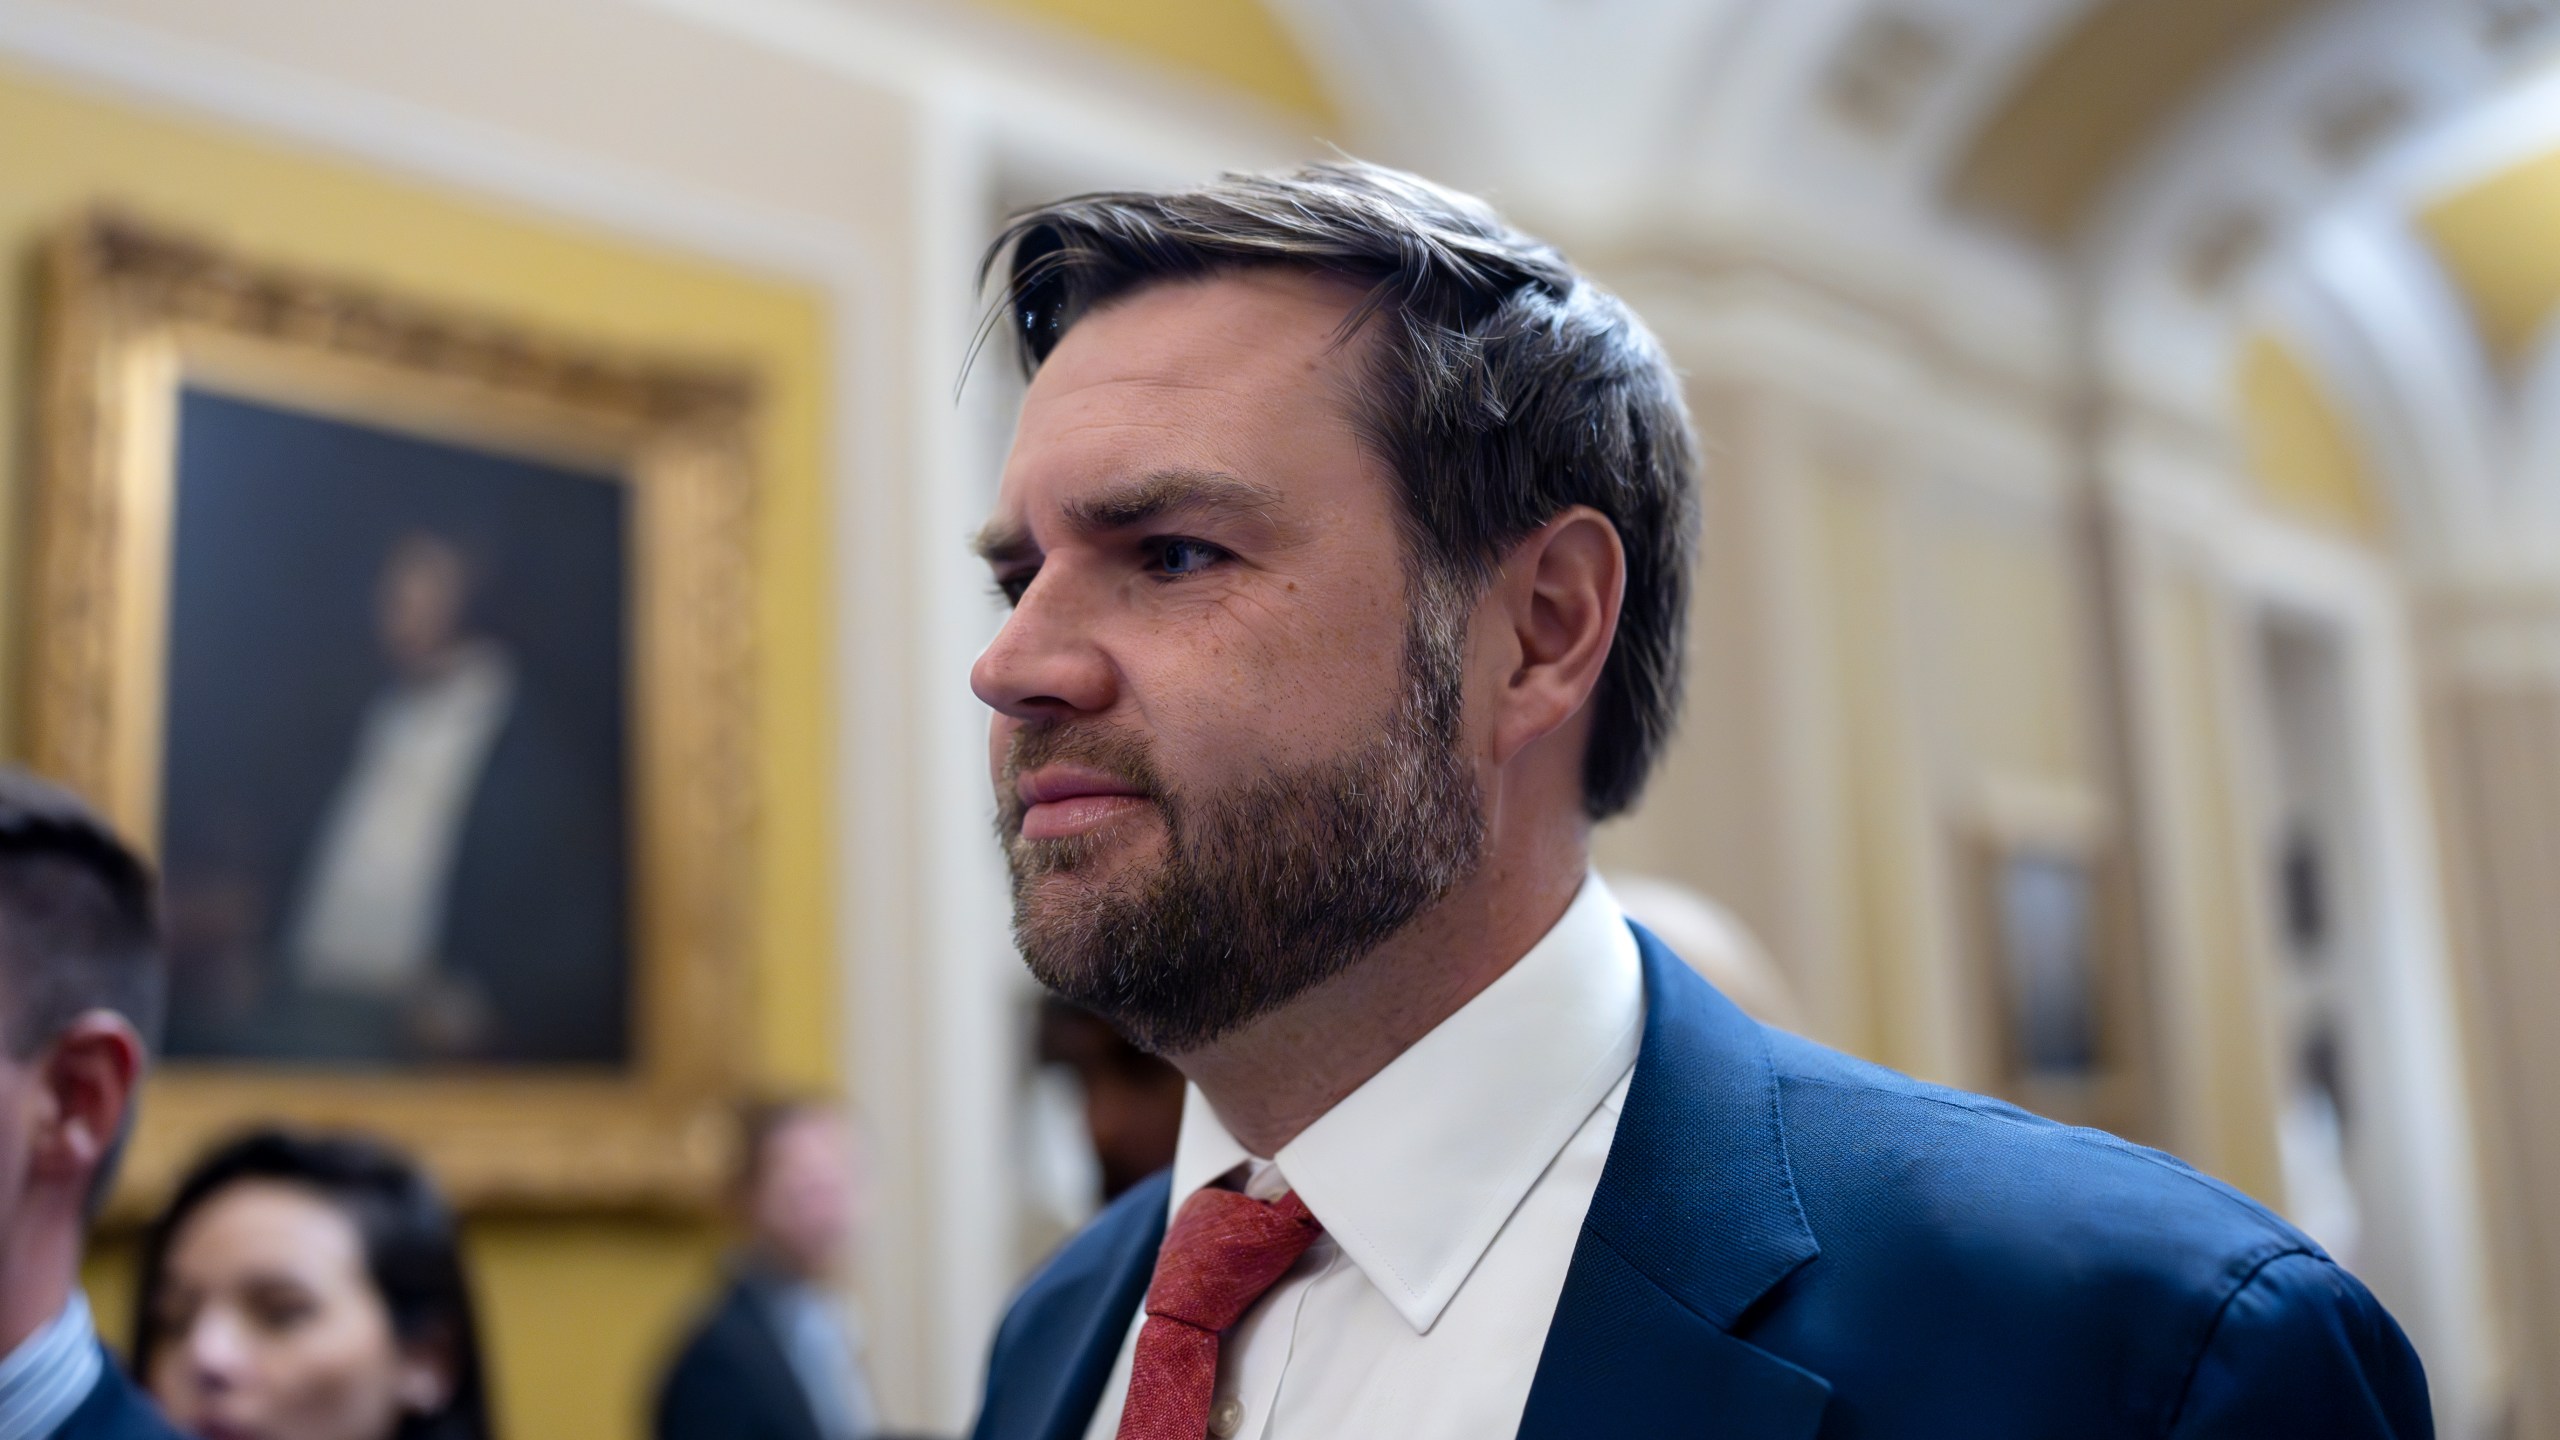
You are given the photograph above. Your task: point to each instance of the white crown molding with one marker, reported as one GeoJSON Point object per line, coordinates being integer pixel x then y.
{"type": "Point", "coordinates": [141, 64]}
{"type": "Point", "coordinates": [1035, 86]}
{"type": "Point", "coordinates": [2509, 125]}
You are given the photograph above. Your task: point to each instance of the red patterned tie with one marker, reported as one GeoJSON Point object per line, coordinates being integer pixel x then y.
{"type": "Point", "coordinates": [1223, 1251]}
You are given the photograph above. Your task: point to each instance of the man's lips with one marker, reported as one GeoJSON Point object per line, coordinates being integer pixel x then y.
{"type": "Point", "coordinates": [1063, 800]}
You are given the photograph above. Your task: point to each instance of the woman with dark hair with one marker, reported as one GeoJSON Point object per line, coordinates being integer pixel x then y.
{"type": "Point", "coordinates": [309, 1287]}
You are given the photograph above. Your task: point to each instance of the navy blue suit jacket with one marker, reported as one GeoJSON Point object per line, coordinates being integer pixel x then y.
{"type": "Point", "coordinates": [1788, 1243]}
{"type": "Point", "coordinates": [115, 1410]}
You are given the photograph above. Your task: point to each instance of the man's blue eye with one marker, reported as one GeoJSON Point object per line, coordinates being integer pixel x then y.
{"type": "Point", "coordinates": [1185, 557]}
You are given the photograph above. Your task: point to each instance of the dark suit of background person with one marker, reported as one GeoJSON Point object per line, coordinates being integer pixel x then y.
{"type": "Point", "coordinates": [80, 986]}
{"type": "Point", "coordinates": [770, 1359]}
{"type": "Point", "coordinates": [733, 1380]}
{"type": "Point", "coordinates": [1789, 1243]}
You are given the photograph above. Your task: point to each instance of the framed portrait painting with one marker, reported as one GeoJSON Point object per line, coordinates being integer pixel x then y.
{"type": "Point", "coordinates": [2061, 993]}
{"type": "Point", "coordinates": [414, 648]}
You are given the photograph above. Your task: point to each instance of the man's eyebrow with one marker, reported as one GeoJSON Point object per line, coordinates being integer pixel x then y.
{"type": "Point", "coordinates": [1166, 491]}
{"type": "Point", "coordinates": [1005, 540]}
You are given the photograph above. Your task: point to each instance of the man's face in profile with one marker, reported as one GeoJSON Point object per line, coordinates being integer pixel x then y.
{"type": "Point", "coordinates": [1229, 748]}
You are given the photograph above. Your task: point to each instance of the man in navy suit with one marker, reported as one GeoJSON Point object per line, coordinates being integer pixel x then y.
{"type": "Point", "coordinates": [80, 986]}
{"type": "Point", "coordinates": [1348, 533]}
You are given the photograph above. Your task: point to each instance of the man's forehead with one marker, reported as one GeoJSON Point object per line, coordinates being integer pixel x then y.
{"type": "Point", "coordinates": [1232, 374]}
{"type": "Point", "coordinates": [1245, 326]}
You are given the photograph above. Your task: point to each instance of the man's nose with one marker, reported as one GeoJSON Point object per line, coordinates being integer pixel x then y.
{"type": "Point", "coordinates": [1047, 662]}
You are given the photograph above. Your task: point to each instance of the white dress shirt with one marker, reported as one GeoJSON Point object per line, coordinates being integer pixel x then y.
{"type": "Point", "coordinates": [1452, 1188]}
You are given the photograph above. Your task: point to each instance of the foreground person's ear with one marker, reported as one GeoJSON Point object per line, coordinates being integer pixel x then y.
{"type": "Point", "coordinates": [1558, 597]}
{"type": "Point", "coordinates": [89, 1076]}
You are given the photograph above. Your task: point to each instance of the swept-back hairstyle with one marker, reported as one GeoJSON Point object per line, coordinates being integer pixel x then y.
{"type": "Point", "coordinates": [412, 1254]}
{"type": "Point", "coordinates": [1504, 387]}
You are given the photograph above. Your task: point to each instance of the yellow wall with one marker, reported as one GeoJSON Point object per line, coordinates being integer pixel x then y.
{"type": "Point", "coordinates": [2055, 145]}
{"type": "Point", "coordinates": [1231, 43]}
{"type": "Point", "coordinates": [579, 1308]}
{"type": "Point", "coordinates": [2495, 239]}
{"type": "Point", "coordinates": [2015, 687]}
{"type": "Point", "coordinates": [2305, 456]}
{"type": "Point", "coordinates": [2221, 971]}
{"type": "Point", "coordinates": [1876, 790]}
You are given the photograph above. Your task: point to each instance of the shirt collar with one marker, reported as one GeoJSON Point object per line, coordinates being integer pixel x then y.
{"type": "Point", "coordinates": [1415, 1172]}
{"type": "Point", "coordinates": [50, 1372]}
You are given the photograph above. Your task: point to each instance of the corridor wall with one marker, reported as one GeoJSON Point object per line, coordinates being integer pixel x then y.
{"type": "Point", "coordinates": [579, 1307]}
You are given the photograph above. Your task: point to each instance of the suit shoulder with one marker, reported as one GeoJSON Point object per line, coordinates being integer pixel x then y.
{"type": "Point", "coordinates": [2008, 1193]}
{"type": "Point", "coordinates": [712, 1345]}
{"type": "Point", "coordinates": [1990, 1240]}
{"type": "Point", "coordinates": [2304, 1349]}
{"type": "Point", "coordinates": [721, 1314]}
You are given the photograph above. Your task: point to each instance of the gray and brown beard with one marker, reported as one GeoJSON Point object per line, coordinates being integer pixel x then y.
{"type": "Point", "coordinates": [1267, 888]}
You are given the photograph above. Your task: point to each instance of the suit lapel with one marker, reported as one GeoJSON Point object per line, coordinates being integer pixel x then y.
{"type": "Point", "coordinates": [1072, 1326]}
{"type": "Point", "coordinates": [1695, 1219]}
{"type": "Point", "coordinates": [1624, 1358]}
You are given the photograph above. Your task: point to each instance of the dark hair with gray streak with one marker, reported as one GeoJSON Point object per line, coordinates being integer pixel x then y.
{"type": "Point", "coordinates": [1504, 386]}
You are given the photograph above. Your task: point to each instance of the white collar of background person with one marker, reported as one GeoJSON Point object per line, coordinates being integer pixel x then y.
{"type": "Point", "coordinates": [50, 1373]}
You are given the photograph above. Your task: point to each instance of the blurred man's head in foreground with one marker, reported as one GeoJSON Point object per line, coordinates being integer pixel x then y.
{"type": "Point", "coordinates": [81, 980]}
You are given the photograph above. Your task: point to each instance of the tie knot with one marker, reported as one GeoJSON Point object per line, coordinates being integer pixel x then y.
{"type": "Point", "coordinates": [1223, 1251]}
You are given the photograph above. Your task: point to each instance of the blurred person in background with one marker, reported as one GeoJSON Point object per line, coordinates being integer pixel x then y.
{"type": "Point", "coordinates": [1716, 945]}
{"type": "Point", "coordinates": [1347, 532]}
{"type": "Point", "coordinates": [81, 976]}
{"type": "Point", "coordinates": [777, 1357]}
{"type": "Point", "coordinates": [309, 1287]}
{"type": "Point", "coordinates": [1132, 1100]}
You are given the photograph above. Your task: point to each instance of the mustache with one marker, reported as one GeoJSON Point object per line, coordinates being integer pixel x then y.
{"type": "Point", "coordinates": [1116, 753]}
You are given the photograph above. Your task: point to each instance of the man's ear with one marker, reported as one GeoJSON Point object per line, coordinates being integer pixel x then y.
{"type": "Point", "coordinates": [1561, 589]}
{"type": "Point", "coordinates": [90, 1072]}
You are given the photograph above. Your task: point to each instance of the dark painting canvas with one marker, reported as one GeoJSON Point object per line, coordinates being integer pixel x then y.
{"type": "Point", "coordinates": [395, 808]}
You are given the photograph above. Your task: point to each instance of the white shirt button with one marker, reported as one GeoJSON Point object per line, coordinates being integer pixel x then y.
{"type": "Point", "coordinates": [1226, 1418]}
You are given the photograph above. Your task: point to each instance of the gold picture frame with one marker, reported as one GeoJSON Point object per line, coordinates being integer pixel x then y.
{"type": "Point", "coordinates": [2054, 970]}
{"type": "Point", "coordinates": [135, 316]}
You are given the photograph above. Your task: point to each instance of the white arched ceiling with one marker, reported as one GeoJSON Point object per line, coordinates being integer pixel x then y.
{"type": "Point", "coordinates": [1822, 138]}
{"type": "Point", "coordinates": [1624, 113]}
{"type": "Point", "coordinates": [1809, 131]}
{"type": "Point", "coordinates": [2516, 415]}
{"type": "Point", "coordinates": [2352, 286]}
{"type": "Point", "coordinates": [1556, 109]}
{"type": "Point", "coordinates": [2280, 139]}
